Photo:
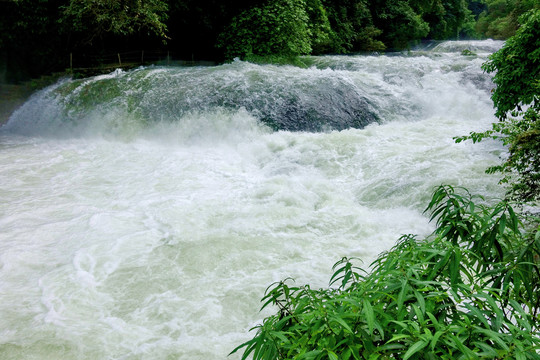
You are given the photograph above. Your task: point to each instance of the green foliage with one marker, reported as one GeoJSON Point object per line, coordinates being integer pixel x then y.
{"type": "Point", "coordinates": [352, 26]}
{"type": "Point", "coordinates": [28, 47]}
{"type": "Point", "coordinates": [99, 17]}
{"type": "Point", "coordinates": [341, 25]}
{"type": "Point", "coordinates": [399, 22]}
{"type": "Point", "coordinates": [517, 76]}
{"type": "Point", "coordinates": [41, 34]}
{"type": "Point", "coordinates": [517, 68]}
{"type": "Point", "coordinates": [275, 28]}
{"type": "Point", "coordinates": [500, 19]}
{"type": "Point", "coordinates": [319, 26]}
{"type": "Point", "coordinates": [467, 52]}
{"type": "Point", "coordinates": [521, 168]}
{"type": "Point", "coordinates": [447, 18]}
{"type": "Point", "coordinates": [470, 291]}
{"type": "Point", "coordinates": [303, 62]}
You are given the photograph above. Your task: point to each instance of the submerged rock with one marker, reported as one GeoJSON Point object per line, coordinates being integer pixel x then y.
{"type": "Point", "coordinates": [290, 99]}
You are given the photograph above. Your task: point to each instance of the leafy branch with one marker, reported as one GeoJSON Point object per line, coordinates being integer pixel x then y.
{"type": "Point", "coordinates": [468, 291]}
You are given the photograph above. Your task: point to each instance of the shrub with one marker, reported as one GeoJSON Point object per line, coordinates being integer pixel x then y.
{"type": "Point", "coordinates": [275, 28]}
{"type": "Point", "coordinates": [517, 72]}
{"type": "Point", "coordinates": [469, 291]}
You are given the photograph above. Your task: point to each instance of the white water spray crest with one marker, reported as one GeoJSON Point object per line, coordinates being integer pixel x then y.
{"type": "Point", "coordinates": [484, 47]}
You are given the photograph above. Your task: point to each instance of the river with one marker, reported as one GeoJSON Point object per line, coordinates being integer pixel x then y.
{"type": "Point", "coordinates": [143, 213]}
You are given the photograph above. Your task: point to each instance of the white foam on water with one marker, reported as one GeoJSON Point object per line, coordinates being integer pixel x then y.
{"type": "Point", "coordinates": [159, 243]}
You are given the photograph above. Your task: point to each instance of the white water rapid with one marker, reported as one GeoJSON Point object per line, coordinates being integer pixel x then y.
{"type": "Point", "coordinates": [143, 213]}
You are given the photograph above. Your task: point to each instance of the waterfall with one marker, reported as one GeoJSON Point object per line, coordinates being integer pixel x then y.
{"type": "Point", "coordinates": [144, 213]}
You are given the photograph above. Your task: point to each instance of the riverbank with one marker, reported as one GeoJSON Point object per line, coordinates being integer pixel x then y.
{"type": "Point", "coordinates": [11, 98]}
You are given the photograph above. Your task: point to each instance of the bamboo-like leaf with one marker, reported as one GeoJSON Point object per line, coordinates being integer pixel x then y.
{"type": "Point", "coordinates": [468, 353]}
{"type": "Point", "coordinates": [280, 335]}
{"type": "Point", "coordinates": [391, 347]}
{"type": "Point", "coordinates": [478, 314]}
{"type": "Point", "coordinates": [520, 355]}
{"type": "Point", "coordinates": [494, 307]}
{"type": "Point", "coordinates": [310, 354]}
{"type": "Point", "coordinates": [332, 355]}
{"type": "Point", "coordinates": [419, 314]}
{"type": "Point", "coordinates": [416, 347]}
{"type": "Point", "coordinates": [499, 249]}
{"type": "Point", "coordinates": [455, 265]}
{"type": "Point", "coordinates": [401, 296]}
{"type": "Point", "coordinates": [355, 353]}
{"type": "Point", "coordinates": [434, 321]}
{"type": "Point", "coordinates": [249, 345]}
{"type": "Point", "coordinates": [370, 316]}
{"type": "Point", "coordinates": [335, 277]}
{"type": "Point", "coordinates": [502, 223]}
{"type": "Point", "coordinates": [271, 300]}
{"type": "Point", "coordinates": [259, 350]}
{"type": "Point", "coordinates": [493, 336]}
{"type": "Point", "coordinates": [398, 337]}
{"type": "Point", "coordinates": [514, 221]}
{"type": "Point", "coordinates": [441, 263]}
{"type": "Point", "coordinates": [489, 351]}
{"type": "Point", "coordinates": [435, 339]}
{"type": "Point", "coordinates": [421, 301]}
{"type": "Point", "coordinates": [342, 323]}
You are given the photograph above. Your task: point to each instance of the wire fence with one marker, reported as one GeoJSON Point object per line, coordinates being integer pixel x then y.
{"type": "Point", "coordinates": [89, 64]}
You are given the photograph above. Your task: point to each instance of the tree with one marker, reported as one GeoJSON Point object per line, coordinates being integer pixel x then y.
{"type": "Point", "coordinates": [517, 102]}
{"type": "Point", "coordinates": [501, 18]}
{"type": "Point", "coordinates": [399, 22]}
{"type": "Point", "coordinates": [278, 27]}
{"type": "Point", "coordinates": [352, 26]}
{"type": "Point", "coordinates": [319, 26]}
{"type": "Point", "coordinates": [446, 18]}
{"type": "Point", "coordinates": [27, 47]}
{"type": "Point", "coordinates": [97, 18]}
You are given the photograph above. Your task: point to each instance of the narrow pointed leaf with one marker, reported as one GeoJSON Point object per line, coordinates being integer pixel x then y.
{"type": "Point", "coordinates": [416, 347]}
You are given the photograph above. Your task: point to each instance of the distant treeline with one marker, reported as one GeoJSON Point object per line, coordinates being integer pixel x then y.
{"type": "Point", "coordinates": [37, 36]}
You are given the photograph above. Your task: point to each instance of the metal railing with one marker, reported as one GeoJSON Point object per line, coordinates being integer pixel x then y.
{"type": "Point", "coordinates": [88, 64]}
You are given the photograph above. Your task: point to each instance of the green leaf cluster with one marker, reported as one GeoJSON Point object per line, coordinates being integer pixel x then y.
{"type": "Point", "coordinates": [516, 69]}
{"type": "Point", "coordinates": [296, 27]}
{"type": "Point", "coordinates": [399, 22]}
{"type": "Point", "coordinates": [500, 19]}
{"type": "Point", "coordinates": [99, 17]}
{"type": "Point", "coordinates": [37, 37]}
{"type": "Point", "coordinates": [469, 291]}
{"type": "Point", "coordinates": [352, 27]}
{"type": "Point", "coordinates": [274, 28]}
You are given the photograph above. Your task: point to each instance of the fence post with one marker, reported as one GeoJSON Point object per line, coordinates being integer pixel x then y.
{"type": "Point", "coordinates": [71, 62]}
{"type": "Point", "coordinates": [119, 60]}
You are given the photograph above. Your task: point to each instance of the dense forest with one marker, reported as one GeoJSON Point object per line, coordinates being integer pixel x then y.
{"type": "Point", "coordinates": [38, 36]}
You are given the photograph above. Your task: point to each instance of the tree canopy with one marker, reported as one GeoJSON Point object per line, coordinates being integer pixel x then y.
{"type": "Point", "coordinates": [516, 98]}
{"type": "Point", "coordinates": [97, 18]}
{"type": "Point", "coordinates": [499, 20]}
{"type": "Point", "coordinates": [276, 27]}
{"type": "Point", "coordinates": [37, 36]}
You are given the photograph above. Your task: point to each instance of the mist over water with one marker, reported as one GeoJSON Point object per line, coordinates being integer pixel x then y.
{"type": "Point", "coordinates": [143, 213]}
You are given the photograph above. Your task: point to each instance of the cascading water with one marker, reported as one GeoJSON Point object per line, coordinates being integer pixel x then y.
{"type": "Point", "coordinates": [143, 213]}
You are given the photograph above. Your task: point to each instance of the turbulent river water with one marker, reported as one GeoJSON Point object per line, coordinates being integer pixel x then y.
{"type": "Point", "coordinates": [143, 213]}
